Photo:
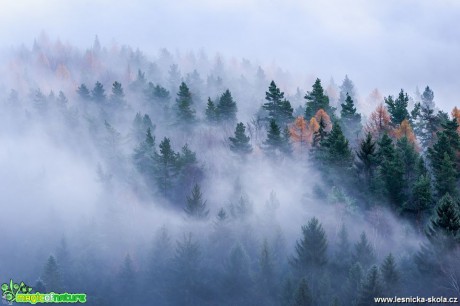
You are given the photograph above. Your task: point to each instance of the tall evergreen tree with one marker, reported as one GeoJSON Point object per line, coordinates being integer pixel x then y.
{"type": "Point", "coordinates": [279, 109]}
{"type": "Point", "coordinates": [274, 140]}
{"type": "Point", "coordinates": [371, 287]}
{"type": "Point", "coordinates": [211, 112]}
{"type": "Point", "coordinates": [117, 98]}
{"type": "Point", "coordinates": [240, 143]}
{"type": "Point", "coordinates": [336, 146]}
{"type": "Point", "coordinates": [398, 108]}
{"type": "Point", "coordinates": [52, 276]}
{"type": "Point", "coordinates": [98, 93]}
{"type": "Point", "coordinates": [166, 166]}
{"type": "Point", "coordinates": [302, 296]}
{"type": "Point", "coordinates": [185, 112]}
{"type": "Point", "coordinates": [350, 118]}
{"type": "Point", "coordinates": [316, 100]}
{"type": "Point", "coordinates": [347, 89]}
{"type": "Point", "coordinates": [196, 207]}
{"type": "Point", "coordinates": [367, 158]}
{"type": "Point", "coordinates": [226, 108]}
{"type": "Point", "coordinates": [83, 92]}
{"type": "Point", "coordinates": [364, 252]}
{"type": "Point", "coordinates": [390, 274]}
{"type": "Point", "coordinates": [311, 248]}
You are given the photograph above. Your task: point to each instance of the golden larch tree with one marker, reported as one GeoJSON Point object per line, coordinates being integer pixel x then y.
{"type": "Point", "coordinates": [379, 122]}
{"type": "Point", "coordinates": [299, 133]}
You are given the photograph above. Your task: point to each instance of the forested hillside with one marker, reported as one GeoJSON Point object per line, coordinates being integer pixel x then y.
{"type": "Point", "coordinates": [189, 179]}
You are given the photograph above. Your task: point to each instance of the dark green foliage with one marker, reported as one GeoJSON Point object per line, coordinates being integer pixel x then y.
{"type": "Point", "coordinates": [364, 252]}
{"type": "Point", "coordinates": [226, 108]}
{"type": "Point", "coordinates": [398, 108]}
{"type": "Point", "coordinates": [353, 283]}
{"type": "Point", "coordinates": [422, 198]}
{"type": "Point", "coordinates": [444, 228]}
{"type": "Point", "coordinates": [240, 143]}
{"type": "Point", "coordinates": [275, 142]}
{"type": "Point", "coordinates": [52, 275]}
{"type": "Point", "coordinates": [390, 274]}
{"type": "Point", "coordinates": [211, 112]}
{"type": "Point", "coordinates": [140, 83]}
{"type": "Point", "coordinates": [166, 166]}
{"type": "Point", "coordinates": [367, 158]}
{"type": "Point", "coordinates": [442, 156]}
{"type": "Point", "coordinates": [316, 100]}
{"type": "Point", "coordinates": [98, 93]}
{"type": "Point", "coordinates": [311, 248]}
{"type": "Point", "coordinates": [184, 102]}
{"type": "Point", "coordinates": [83, 92]}
{"type": "Point", "coordinates": [371, 287]}
{"type": "Point", "coordinates": [302, 296]}
{"type": "Point", "coordinates": [346, 89]}
{"type": "Point", "coordinates": [409, 158]}
{"type": "Point", "coordinates": [195, 207]}
{"type": "Point", "coordinates": [117, 98]}
{"type": "Point", "coordinates": [336, 147]}
{"type": "Point", "coordinates": [350, 118]}
{"type": "Point", "coordinates": [279, 109]}
{"type": "Point", "coordinates": [321, 134]}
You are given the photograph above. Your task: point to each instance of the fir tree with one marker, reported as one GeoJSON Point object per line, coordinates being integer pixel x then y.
{"type": "Point", "coordinates": [240, 143]}
{"type": "Point", "coordinates": [350, 118]}
{"type": "Point", "coordinates": [52, 276]}
{"type": "Point", "coordinates": [237, 278]}
{"type": "Point", "coordinates": [343, 252]}
{"type": "Point", "coordinates": [98, 93]}
{"type": "Point", "coordinates": [364, 252]}
{"type": "Point", "coordinates": [367, 158]}
{"type": "Point", "coordinates": [347, 89]}
{"type": "Point", "coordinates": [166, 166]}
{"type": "Point", "coordinates": [398, 108]}
{"type": "Point", "coordinates": [117, 96]}
{"type": "Point", "coordinates": [195, 207]}
{"type": "Point", "coordinates": [274, 140]}
{"type": "Point", "coordinates": [336, 146]}
{"type": "Point", "coordinates": [371, 287]}
{"type": "Point", "coordinates": [226, 108]}
{"type": "Point", "coordinates": [316, 100]}
{"type": "Point", "coordinates": [279, 109]}
{"type": "Point", "coordinates": [311, 248]}
{"type": "Point", "coordinates": [302, 296]}
{"type": "Point", "coordinates": [211, 112]}
{"type": "Point", "coordinates": [184, 102]}
{"type": "Point", "coordinates": [144, 155]}
{"type": "Point", "coordinates": [390, 274]}
{"type": "Point", "coordinates": [83, 92]}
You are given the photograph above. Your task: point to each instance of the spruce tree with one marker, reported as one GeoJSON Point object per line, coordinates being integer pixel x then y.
{"type": "Point", "coordinates": [226, 108]}
{"type": "Point", "coordinates": [185, 113]}
{"type": "Point", "coordinates": [398, 108]}
{"type": "Point", "coordinates": [343, 252]}
{"type": "Point", "coordinates": [390, 274]}
{"type": "Point", "coordinates": [364, 252]}
{"type": "Point", "coordinates": [83, 92]}
{"type": "Point", "coordinates": [316, 100]}
{"type": "Point", "coordinates": [195, 207]}
{"type": "Point", "coordinates": [52, 276]}
{"type": "Point", "coordinates": [266, 275]}
{"type": "Point", "coordinates": [98, 93]}
{"type": "Point", "coordinates": [117, 98]}
{"type": "Point", "coordinates": [211, 112]}
{"type": "Point", "coordinates": [371, 287]}
{"type": "Point", "coordinates": [367, 158]}
{"type": "Point", "coordinates": [240, 143]}
{"type": "Point", "coordinates": [347, 89]}
{"type": "Point", "coordinates": [350, 118]}
{"type": "Point", "coordinates": [336, 147]}
{"type": "Point", "coordinates": [311, 249]}
{"type": "Point", "coordinates": [302, 296]}
{"type": "Point", "coordinates": [274, 140]}
{"type": "Point", "coordinates": [279, 109]}
{"type": "Point", "coordinates": [166, 166]}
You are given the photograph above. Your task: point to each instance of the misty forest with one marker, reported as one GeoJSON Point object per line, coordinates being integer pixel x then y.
{"type": "Point", "coordinates": [183, 178]}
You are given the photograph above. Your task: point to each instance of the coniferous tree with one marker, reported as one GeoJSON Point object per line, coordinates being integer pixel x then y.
{"type": "Point", "coordinates": [266, 275]}
{"type": "Point", "coordinates": [211, 112]}
{"type": "Point", "coordinates": [166, 166]}
{"type": "Point", "coordinates": [311, 248]}
{"type": "Point", "coordinates": [350, 118]}
{"type": "Point", "coordinates": [343, 252]}
{"type": "Point", "coordinates": [195, 207]}
{"type": "Point", "coordinates": [398, 108]}
{"type": "Point", "coordinates": [364, 252]}
{"type": "Point", "coordinates": [353, 283]}
{"type": "Point", "coordinates": [316, 100]}
{"type": "Point", "coordinates": [444, 228]}
{"type": "Point", "coordinates": [144, 155]}
{"type": "Point", "coordinates": [52, 276]}
{"type": "Point", "coordinates": [83, 92]}
{"type": "Point", "coordinates": [117, 98]}
{"type": "Point", "coordinates": [302, 296]}
{"type": "Point", "coordinates": [185, 112]}
{"type": "Point", "coordinates": [226, 108]}
{"type": "Point", "coordinates": [371, 287]}
{"type": "Point", "coordinates": [274, 139]}
{"type": "Point", "coordinates": [336, 147]}
{"type": "Point", "coordinates": [347, 89]}
{"type": "Point", "coordinates": [98, 93]}
{"type": "Point", "coordinates": [367, 158]}
{"type": "Point", "coordinates": [279, 109]}
{"type": "Point", "coordinates": [237, 277]}
{"type": "Point", "coordinates": [390, 274]}
{"type": "Point", "coordinates": [240, 143]}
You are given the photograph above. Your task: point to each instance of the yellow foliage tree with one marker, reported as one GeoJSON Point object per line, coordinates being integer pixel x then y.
{"type": "Point", "coordinates": [456, 114]}
{"type": "Point", "coordinates": [405, 129]}
{"type": "Point", "coordinates": [299, 133]}
{"type": "Point", "coordinates": [379, 122]}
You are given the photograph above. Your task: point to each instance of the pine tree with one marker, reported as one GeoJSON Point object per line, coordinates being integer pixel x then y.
{"type": "Point", "coordinates": [274, 140]}
{"type": "Point", "coordinates": [343, 252]}
{"type": "Point", "coordinates": [364, 252]}
{"type": "Point", "coordinates": [83, 92]}
{"type": "Point", "coordinates": [52, 276]}
{"type": "Point", "coordinates": [371, 287]}
{"type": "Point", "coordinates": [279, 109]}
{"type": "Point", "coordinates": [445, 176]}
{"type": "Point", "coordinates": [286, 146]}
{"type": "Point", "coordinates": [353, 282]}
{"type": "Point", "coordinates": [367, 158]}
{"type": "Point", "coordinates": [211, 112]}
{"type": "Point", "coordinates": [350, 118]}
{"type": "Point", "coordinates": [184, 102]}
{"type": "Point", "coordinates": [311, 248]}
{"type": "Point", "coordinates": [390, 274]}
{"type": "Point", "coordinates": [422, 198]}
{"type": "Point", "coordinates": [398, 108]}
{"type": "Point", "coordinates": [117, 98]}
{"type": "Point", "coordinates": [195, 207]}
{"type": "Point", "coordinates": [144, 155]}
{"type": "Point", "coordinates": [226, 108]}
{"type": "Point", "coordinates": [409, 158]}
{"type": "Point", "coordinates": [428, 123]}
{"type": "Point", "coordinates": [240, 143]}
{"type": "Point", "coordinates": [98, 93]}
{"type": "Point", "coordinates": [302, 296]}
{"type": "Point", "coordinates": [316, 100]}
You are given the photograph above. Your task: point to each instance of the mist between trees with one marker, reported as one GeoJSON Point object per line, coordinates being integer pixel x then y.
{"type": "Point", "coordinates": [185, 180]}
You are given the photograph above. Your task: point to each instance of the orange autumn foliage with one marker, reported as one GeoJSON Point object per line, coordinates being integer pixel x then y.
{"type": "Point", "coordinates": [299, 133]}
{"type": "Point", "coordinates": [379, 122]}
{"type": "Point", "coordinates": [405, 129]}
{"type": "Point", "coordinates": [456, 114]}
{"type": "Point", "coordinates": [321, 114]}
